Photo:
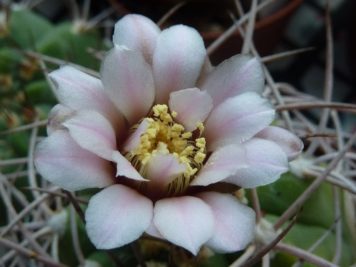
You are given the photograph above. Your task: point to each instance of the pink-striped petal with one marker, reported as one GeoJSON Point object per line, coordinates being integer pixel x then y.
{"type": "Point", "coordinates": [93, 132]}
{"type": "Point", "coordinates": [58, 114]}
{"type": "Point", "coordinates": [185, 221]}
{"type": "Point", "coordinates": [237, 119]}
{"type": "Point", "coordinates": [192, 106]}
{"type": "Point", "coordinates": [236, 75]}
{"type": "Point", "coordinates": [128, 81]}
{"type": "Point", "coordinates": [125, 168]}
{"type": "Point", "coordinates": [78, 90]}
{"type": "Point", "coordinates": [116, 216]}
{"type": "Point", "coordinates": [266, 162]}
{"type": "Point", "coordinates": [137, 33]}
{"type": "Point", "coordinates": [163, 169]}
{"type": "Point", "coordinates": [61, 161]}
{"type": "Point", "coordinates": [253, 163]}
{"type": "Point", "coordinates": [289, 142]}
{"type": "Point", "coordinates": [177, 60]}
{"type": "Point", "coordinates": [234, 222]}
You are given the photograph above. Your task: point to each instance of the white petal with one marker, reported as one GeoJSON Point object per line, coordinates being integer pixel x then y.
{"type": "Point", "coordinates": [137, 33]}
{"type": "Point", "coordinates": [61, 161]}
{"type": "Point", "coordinates": [128, 80]}
{"type": "Point", "coordinates": [234, 222]}
{"type": "Point", "coordinates": [78, 90]}
{"type": "Point", "coordinates": [125, 168]}
{"type": "Point", "coordinates": [117, 216]}
{"type": "Point", "coordinates": [236, 75]}
{"type": "Point", "coordinates": [177, 60]}
{"type": "Point", "coordinates": [58, 114]}
{"type": "Point", "coordinates": [266, 162]}
{"type": "Point", "coordinates": [192, 106]}
{"type": "Point", "coordinates": [93, 133]}
{"type": "Point", "coordinates": [289, 142]}
{"type": "Point", "coordinates": [185, 221]}
{"type": "Point", "coordinates": [253, 163]}
{"type": "Point", "coordinates": [237, 119]}
{"type": "Point", "coordinates": [163, 169]}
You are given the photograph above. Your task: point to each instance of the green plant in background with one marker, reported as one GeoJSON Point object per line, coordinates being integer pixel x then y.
{"type": "Point", "coordinates": [25, 94]}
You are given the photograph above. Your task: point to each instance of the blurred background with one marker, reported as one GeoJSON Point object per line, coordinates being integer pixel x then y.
{"type": "Point", "coordinates": [283, 25]}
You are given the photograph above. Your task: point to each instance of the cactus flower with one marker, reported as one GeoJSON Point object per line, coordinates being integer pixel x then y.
{"type": "Point", "coordinates": [158, 132]}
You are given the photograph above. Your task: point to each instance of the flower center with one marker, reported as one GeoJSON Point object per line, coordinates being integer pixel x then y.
{"type": "Point", "coordinates": [163, 135]}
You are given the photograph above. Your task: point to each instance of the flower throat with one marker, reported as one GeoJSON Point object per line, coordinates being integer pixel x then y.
{"type": "Point", "coordinates": [163, 135]}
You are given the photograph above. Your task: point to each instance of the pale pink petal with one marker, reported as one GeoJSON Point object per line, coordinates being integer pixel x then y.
{"type": "Point", "coordinates": [177, 60]}
{"type": "Point", "coordinates": [58, 114]}
{"type": "Point", "coordinates": [135, 138]}
{"type": "Point", "coordinates": [253, 163]}
{"type": "Point", "coordinates": [152, 231]}
{"type": "Point", "coordinates": [192, 106]}
{"type": "Point", "coordinates": [117, 216]}
{"type": "Point", "coordinates": [163, 169]}
{"type": "Point", "coordinates": [222, 164]}
{"type": "Point", "coordinates": [266, 162]}
{"type": "Point", "coordinates": [206, 69]}
{"type": "Point", "coordinates": [237, 119]}
{"type": "Point", "coordinates": [125, 168]}
{"type": "Point", "coordinates": [234, 222]}
{"type": "Point", "coordinates": [78, 90]}
{"type": "Point", "coordinates": [128, 81]}
{"type": "Point", "coordinates": [236, 75]}
{"type": "Point", "coordinates": [290, 143]}
{"type": "Point", "coordinates": [137, 33]}
{"type": "Point", "coordinates": [61, 161]}
{"type": "Point", "coordinates": [92, 132]}
{"type": "Point", "coordinates": [185, 221]}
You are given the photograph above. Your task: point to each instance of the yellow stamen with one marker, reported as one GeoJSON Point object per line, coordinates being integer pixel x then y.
{"type": "Point", "coordinates": [200, 127]}
{"type": "Point", "coordinates": [165, 136]}
{"type": "Point", "coordinates": [199, 157]}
